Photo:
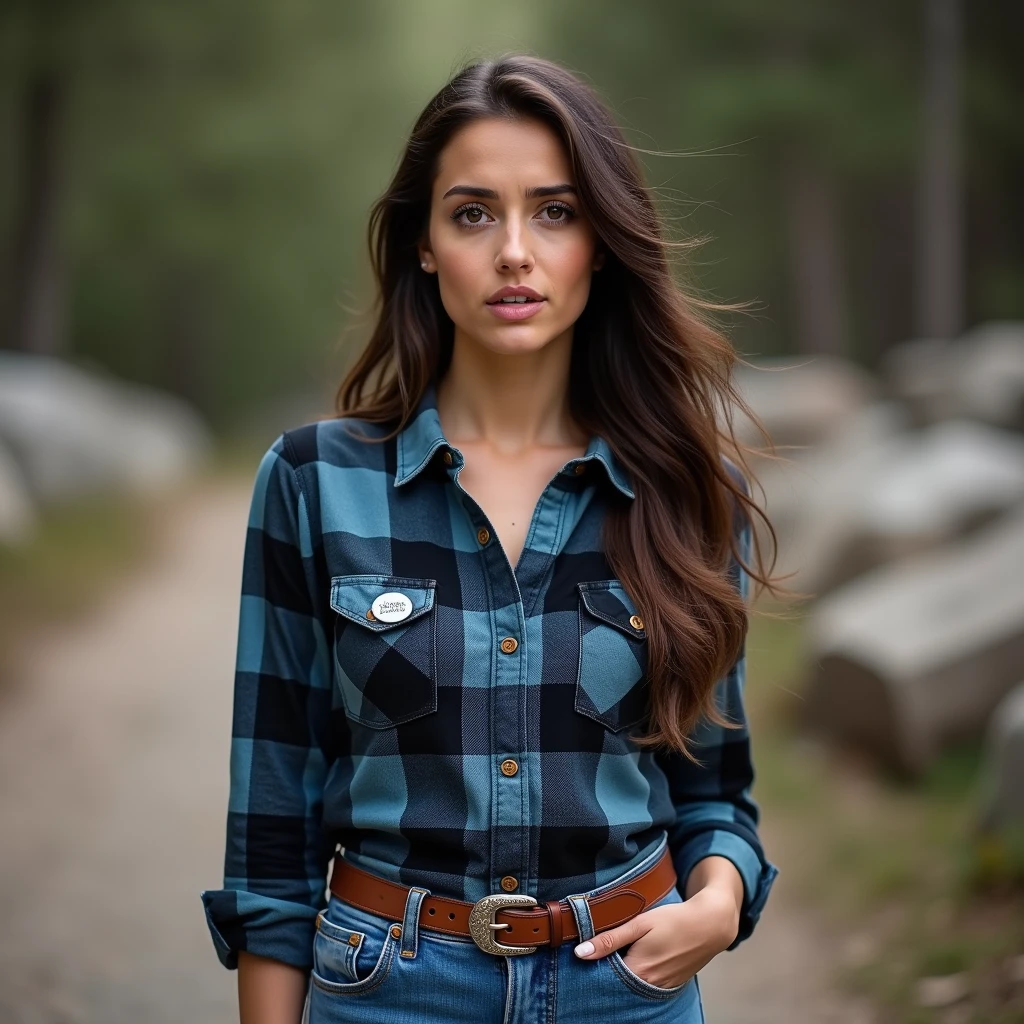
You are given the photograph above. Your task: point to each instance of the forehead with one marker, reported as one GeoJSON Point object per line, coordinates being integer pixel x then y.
{"type": "Point", "coordinates": [503, 154]}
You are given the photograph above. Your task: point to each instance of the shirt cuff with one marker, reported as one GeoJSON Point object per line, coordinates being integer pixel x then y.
{"type": "Point", "coordinates": [245, 921]}
{"type": "Point", "coordinates": [758, 874]}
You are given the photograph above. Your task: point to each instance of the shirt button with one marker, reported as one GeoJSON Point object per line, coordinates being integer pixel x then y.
{"type": "Point", "coordinates": [483, 535]}
{"type": "Point", "coordinates": [509, 644]}
{"type": "Point", "coordinates": [580, 468]}
{"type": "Point", "coordinates": [447, 458]}
{"type": "Point", "coordinates": [509, 767]}
{"type": "Point", "coordinates": [509, 884]}
{"type": "Point", "coordinates": [636, 622]}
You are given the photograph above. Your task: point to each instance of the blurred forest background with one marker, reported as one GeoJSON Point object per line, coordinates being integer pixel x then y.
{"type": "Point", "coordinates": [184, 186]}
{"type": "Point", "coordinates": [184, 189]}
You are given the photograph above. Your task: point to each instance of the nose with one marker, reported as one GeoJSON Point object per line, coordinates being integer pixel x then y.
{"type": "Point", "coordinates": [514, 252]}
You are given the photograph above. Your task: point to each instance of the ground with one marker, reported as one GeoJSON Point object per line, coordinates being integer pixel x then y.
{"type": "Point", "coordinates": [113, 786]}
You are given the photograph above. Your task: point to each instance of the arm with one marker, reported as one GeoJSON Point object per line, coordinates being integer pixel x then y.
{"type": "Point", "coordinates": [269, 992]}
{"type": "Point", "coordinates": [722, 870]}
{"type": "Point", "coordinates": [716, 818]}
{"type": "Point", "coordinates": [276, 855]}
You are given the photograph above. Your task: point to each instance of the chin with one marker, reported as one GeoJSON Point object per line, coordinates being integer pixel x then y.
{"type": "Point", "coordinates": [516, 342]}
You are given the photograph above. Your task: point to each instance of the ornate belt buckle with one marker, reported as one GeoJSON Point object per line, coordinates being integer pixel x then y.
{"type": "Point", "coordinates": [482, 925]}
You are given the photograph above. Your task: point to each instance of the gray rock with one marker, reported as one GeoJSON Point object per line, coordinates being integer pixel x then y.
{"type": "Point", "coordinates": [17, 513]}
{"type": "Point", "coordinates": [877, 493]}
{"type": "Point", "coordinates": [980, 375]}
{"type": "Point", "coordinates": [910, 657]}
{"type": "Point", "coordinates": [72, 431]}
{"type": "Point", "coordinates": [800, 403]}
{"type": "Point", "coordinates": [1002, 782]}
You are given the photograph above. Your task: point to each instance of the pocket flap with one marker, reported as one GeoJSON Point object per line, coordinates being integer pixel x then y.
{"type": "Point", "coordinates": [353, 597]}
{"type": "Point", "coordinates": [608, 601]}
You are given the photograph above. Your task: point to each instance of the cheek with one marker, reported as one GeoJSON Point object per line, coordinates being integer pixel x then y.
{"type": "Point", "coordinates": [571, 268]}
{"type": "Point", "coordinates": [459, 271]}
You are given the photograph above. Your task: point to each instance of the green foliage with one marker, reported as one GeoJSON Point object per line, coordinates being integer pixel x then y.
{"type": "Point", "coordinates": [218, 160]}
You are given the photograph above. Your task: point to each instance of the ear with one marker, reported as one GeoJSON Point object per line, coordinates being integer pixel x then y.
{"type": "Point", "coordinates": [599, 259]}
{"type": "Point", "coordinates": [426, 258]}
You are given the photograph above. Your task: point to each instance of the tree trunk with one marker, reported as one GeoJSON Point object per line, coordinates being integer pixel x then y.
{"type": "Point", "coordinates": [940, 291]}
{"type": "Point", "coordinates": [816, 256]}
{"type": "Point", "coordinates": [38, 322]}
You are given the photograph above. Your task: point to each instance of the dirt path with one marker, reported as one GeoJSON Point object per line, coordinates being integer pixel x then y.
{"type": "Point", "coordinates": [113, 786]}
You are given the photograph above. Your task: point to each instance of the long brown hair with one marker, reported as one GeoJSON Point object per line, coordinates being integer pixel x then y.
{"type": "Point", "coordinates": [649, 372]}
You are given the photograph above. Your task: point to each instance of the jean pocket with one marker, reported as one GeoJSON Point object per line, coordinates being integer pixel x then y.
{"type": "Point", "coordinates": [612, 676]}
{"type": "Point", "coordinates": [638, 985]}
{"type": "Point", "coordinates": [385, 657]}
{"type": "Point", "coordinates": [350, 956]}
{"type": "Point", "coordinates": [631, 979]}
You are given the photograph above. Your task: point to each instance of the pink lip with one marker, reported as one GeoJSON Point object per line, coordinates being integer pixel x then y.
{"type": "Point", "coordinates": [515, 311]}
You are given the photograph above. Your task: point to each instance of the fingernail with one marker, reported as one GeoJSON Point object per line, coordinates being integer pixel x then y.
{"type": "Point", "coordinates": [584, 949]}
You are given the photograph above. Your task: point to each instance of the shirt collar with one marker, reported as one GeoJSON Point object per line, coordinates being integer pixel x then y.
{"type": "Point", "coordinates": [422, 436]}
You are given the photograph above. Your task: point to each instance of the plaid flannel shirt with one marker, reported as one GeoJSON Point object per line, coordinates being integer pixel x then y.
{"type": "Point", "coordinates": [483, 736]}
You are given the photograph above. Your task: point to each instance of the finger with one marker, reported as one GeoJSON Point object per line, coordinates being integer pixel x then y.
{"type": "Point", "coordinates": [615, 938]}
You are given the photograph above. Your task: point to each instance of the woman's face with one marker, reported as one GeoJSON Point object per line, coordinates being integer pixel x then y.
{"type": "Point", "coordinates": [504, 214]}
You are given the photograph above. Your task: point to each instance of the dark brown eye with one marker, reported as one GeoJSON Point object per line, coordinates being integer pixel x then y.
{"type": "Point", "coordinates": [474, 215]}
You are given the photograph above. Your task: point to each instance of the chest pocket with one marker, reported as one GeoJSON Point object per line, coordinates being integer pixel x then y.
{"type": "Point", "coordinates": [386, 670]}
{"type": "Point", "coordinates": [611, 683]}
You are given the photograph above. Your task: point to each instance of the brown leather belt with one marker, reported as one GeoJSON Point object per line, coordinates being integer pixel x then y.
{"type": "Point", "coordinates": [522, 924]}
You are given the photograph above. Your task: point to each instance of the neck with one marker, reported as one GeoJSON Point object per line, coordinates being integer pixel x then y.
{"type": "Point", "coordinates": [511, 402]}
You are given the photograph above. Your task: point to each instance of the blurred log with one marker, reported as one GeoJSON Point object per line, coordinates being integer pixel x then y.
{"type": "Point", "coordinates": [913, 656]}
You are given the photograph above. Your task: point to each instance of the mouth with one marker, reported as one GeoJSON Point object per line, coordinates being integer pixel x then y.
{"type": "Point", "coordinates": [516, 307]}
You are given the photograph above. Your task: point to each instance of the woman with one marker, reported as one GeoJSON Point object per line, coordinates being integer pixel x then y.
{"type": "Point", "coordinates": [502, 754]}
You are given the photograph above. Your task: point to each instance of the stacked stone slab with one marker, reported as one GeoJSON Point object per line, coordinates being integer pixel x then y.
{"type": "Point", "coordinates": [878, 492]}
{"type": "Point", "coordinates": [979, 375]}
{"type": "Point", "coordinates": [913, 656]}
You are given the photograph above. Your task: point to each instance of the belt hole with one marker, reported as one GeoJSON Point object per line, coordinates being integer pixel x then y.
{"type": "Point", "coordinates": [451, 916]}
{"type": "Point", "coordinates": [431, 911]}
{"type": "Point", "coordinates": [535, 930]}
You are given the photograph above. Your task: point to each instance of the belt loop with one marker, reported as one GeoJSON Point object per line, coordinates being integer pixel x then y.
{"type": "Point", "coordinates": [581, 911]}
{"type": "Point", "coordinates": [555, 920]}
{"type": "Point", "coordinates": [411, 922]}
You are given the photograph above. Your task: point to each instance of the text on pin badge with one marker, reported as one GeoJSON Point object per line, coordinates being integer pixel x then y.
{"type": "Point", "coordinates": [391, 607]}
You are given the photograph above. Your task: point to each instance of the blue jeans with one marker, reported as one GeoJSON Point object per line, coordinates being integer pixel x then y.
{"type": "Point", "coordinates": [367, 970]}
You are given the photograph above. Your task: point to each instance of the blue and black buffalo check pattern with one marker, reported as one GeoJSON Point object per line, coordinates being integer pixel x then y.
{"type": "Point", "coordinates": [387, 738]}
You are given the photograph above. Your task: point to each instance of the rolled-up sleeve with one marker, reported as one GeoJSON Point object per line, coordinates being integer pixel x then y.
{"type": "Point", "coordinates": [715, 814]}
{"type": "Point", "coordinates": [276, 852]}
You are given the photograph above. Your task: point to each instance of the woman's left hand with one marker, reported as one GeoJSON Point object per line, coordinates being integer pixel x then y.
{"type": "Point", "coordinates": [668, 945]}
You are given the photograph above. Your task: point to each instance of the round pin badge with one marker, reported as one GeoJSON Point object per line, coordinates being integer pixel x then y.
{"type": "Point", "coordinates": [391, 607]}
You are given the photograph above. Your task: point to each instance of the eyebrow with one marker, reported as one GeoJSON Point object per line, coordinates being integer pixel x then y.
{"type": "Point", "coordinates": [536, 192]}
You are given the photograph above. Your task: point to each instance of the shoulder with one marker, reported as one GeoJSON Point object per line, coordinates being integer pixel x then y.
{"type": "Point", "coordinates": [337, 443]}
